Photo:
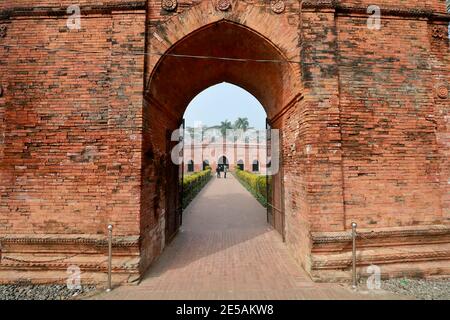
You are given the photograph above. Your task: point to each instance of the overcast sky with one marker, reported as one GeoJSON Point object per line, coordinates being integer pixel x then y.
{"type": "Point", "coordinates": [225, 101]}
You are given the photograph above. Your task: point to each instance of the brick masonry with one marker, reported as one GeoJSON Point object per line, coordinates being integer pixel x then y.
{"type": "Point", "coordinates": [85, 119]}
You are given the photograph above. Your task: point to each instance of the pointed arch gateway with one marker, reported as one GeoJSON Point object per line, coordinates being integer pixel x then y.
{"type": "Point", "coordinates": [240, 164]}
{"type": "Point", "coordinates": [223, 162]}
{"type": "Point", "coordinates": [224, 51]}
{"type": "Point", "coordinates": [191, 54]}
{"type": "Point", "coordinates": [205, 164]}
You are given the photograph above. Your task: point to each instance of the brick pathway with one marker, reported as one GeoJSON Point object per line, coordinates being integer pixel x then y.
{"type": "Point", "coordinates": [226, 250]}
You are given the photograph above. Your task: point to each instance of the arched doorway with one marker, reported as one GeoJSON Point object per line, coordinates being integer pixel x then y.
{"type": "Point", "coordinates": [223, 162]}
{"type": "Point", "coordinates": [259, 67]}
{"type": "Point", "coordinates": [190, 166]}
{"type": "Point", "coordinates": [240, 164]}
{"type": "Point", "coordinates": [255, 166]}
{"type": "Point", "coordinates": [205, 164]}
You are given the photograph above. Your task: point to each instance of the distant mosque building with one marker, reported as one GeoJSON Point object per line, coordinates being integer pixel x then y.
{"type": "Point", "coordinates": [247, 150]}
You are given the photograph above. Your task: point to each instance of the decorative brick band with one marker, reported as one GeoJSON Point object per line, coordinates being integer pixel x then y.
{"type": "Point", "coordinates": [388, 11]}
{"type": "Point", "coordinates": [277, 6]}
{"type": "Point", "coordinates": [118, 242]}
{"type": "Point", "coordinates": [85, 262]}
{"type": "Point", "coordinates": [439, 32]}
{"type": "Point", "coordinates": [382, 258]}
{"type": "Point", "coordinates": [442, 91]}
{"type": "Point", "coordinates": [3, 30]}
{"type": "Point", "coordinates": [62, 11]}
{"type": "Point", "coordinates": [222, 5]}
{"type": "Point", "coordinates": [169, 5]}
{"type": "Point", "coordinates": [343, 237]}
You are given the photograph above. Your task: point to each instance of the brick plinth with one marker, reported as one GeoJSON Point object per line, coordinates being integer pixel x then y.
{"type": "Point", "coordinates": [46, 259]}
{"type": "Point", "coordinates": [398, 251]}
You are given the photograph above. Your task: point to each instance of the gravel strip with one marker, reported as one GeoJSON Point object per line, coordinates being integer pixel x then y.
{"type": "Point", "coordinates": [42, 292]}
{"type": "Point", "coordinates": [417, 288]}
{"type": "Point", "coordinates": [423, 289]}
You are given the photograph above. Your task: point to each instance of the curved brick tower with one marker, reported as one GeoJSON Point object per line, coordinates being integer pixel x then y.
{"type": "Point", "coordinates": [86, 112]}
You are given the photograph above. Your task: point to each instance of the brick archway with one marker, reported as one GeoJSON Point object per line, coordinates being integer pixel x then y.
{"type": "Point", "coordinates": [220, 50]}
{"type": "Point", "coordinates": [85, 134]}
{"type": "Point", "coordinates": [267, 74]}
{"type": "Point", "coordinates": [280, 30]}
{"type": "Point", "coordinates": [223, 161]}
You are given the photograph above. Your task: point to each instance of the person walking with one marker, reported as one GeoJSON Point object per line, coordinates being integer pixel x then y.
{"type": "Point", "coordinates": [218, 171]}
{"type": "Point", "coordinates": [225, 170]}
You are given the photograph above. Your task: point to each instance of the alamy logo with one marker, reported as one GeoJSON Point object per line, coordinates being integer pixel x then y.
{"type": "Point", "coordinates": [74, 20]}
{"type": "Point", "coordinates": [374, 280]}
{"type": "Point", "coordinates": [74, 279]}
{"type": "Point", "coordinates": [374, 20]}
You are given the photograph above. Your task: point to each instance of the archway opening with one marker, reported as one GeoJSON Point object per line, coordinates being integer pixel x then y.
{"type": "Point", "coordinates": [224, 123]}
{"type": "Point", "coordinates": [195, 63]}
{"type": "Point", "coordinates": [255, 166]}
{"type": "Point", "coordinates": [240, 164]}
{"type": "Point", "coordinates": [205, 164]}
{"type": "Point", "coordinates": [190, 166]}
{"type": "Point", "coordinates": [223, 163]}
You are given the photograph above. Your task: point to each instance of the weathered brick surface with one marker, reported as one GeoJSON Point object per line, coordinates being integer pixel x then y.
{"type": "Point", "coordinates": [66, 113]}
{"type": "Point", "coordinates": [85, 118]}
{"type": "Point", "coordinates": [55, 134]}
{"type": "Point", "coordinates": [391, 162]}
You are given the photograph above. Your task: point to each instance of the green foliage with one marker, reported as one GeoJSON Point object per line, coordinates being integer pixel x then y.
{"type": "Point", "coordinates": [241, 123]}
{"type": "Point", "coordinates": [193, 183]}
{"type": "Point", "coordinates": [224, 126]}
{"type": "Point", "coordinates": [256, 184]}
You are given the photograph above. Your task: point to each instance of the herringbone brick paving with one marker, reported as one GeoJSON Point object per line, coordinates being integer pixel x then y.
{"type": "Point", "coordinates": [226, 250]}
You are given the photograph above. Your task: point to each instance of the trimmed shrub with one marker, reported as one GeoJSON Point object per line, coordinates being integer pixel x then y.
{"type": "Point", "coordinates": [193, 183]}
{"type": "Point", "coordinates": [256, 184]}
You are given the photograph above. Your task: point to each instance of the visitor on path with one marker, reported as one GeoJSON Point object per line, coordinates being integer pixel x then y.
{"type": "Point", "coordinates": [218, 171]}
{"type": "Point", "coordinates": [225, 170]}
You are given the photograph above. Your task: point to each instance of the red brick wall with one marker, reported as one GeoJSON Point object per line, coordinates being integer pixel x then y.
{"type": "Point", "coordinates": [125, 121]}
{"type": "Point", "coordinates": [320, 77]}
{"type": "Point", "coordinates": [71, 153]}
{"type": "Point", "coordinates": [295, 166]}
{"type": "Point", "coordinates": [54, 133]}
{"type": "Point", "coordinates": [391, 161]}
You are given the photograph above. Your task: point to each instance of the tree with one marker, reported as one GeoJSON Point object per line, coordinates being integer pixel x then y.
{"type": "Point", "coordinates": [224, 126]}
{"type": "Point", "coordinates": [189, 130]}
{"type": "Point", "coordinates": [241, 123]}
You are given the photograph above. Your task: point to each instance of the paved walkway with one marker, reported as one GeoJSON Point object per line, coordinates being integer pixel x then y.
{"type": "Point", "coordinates": [226, 250]}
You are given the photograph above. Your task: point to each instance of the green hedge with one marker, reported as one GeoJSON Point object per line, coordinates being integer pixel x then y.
{"type": "Point", "coordinates": [254, 183]}
{"type": "Point", "coordinates": [193, 183]}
